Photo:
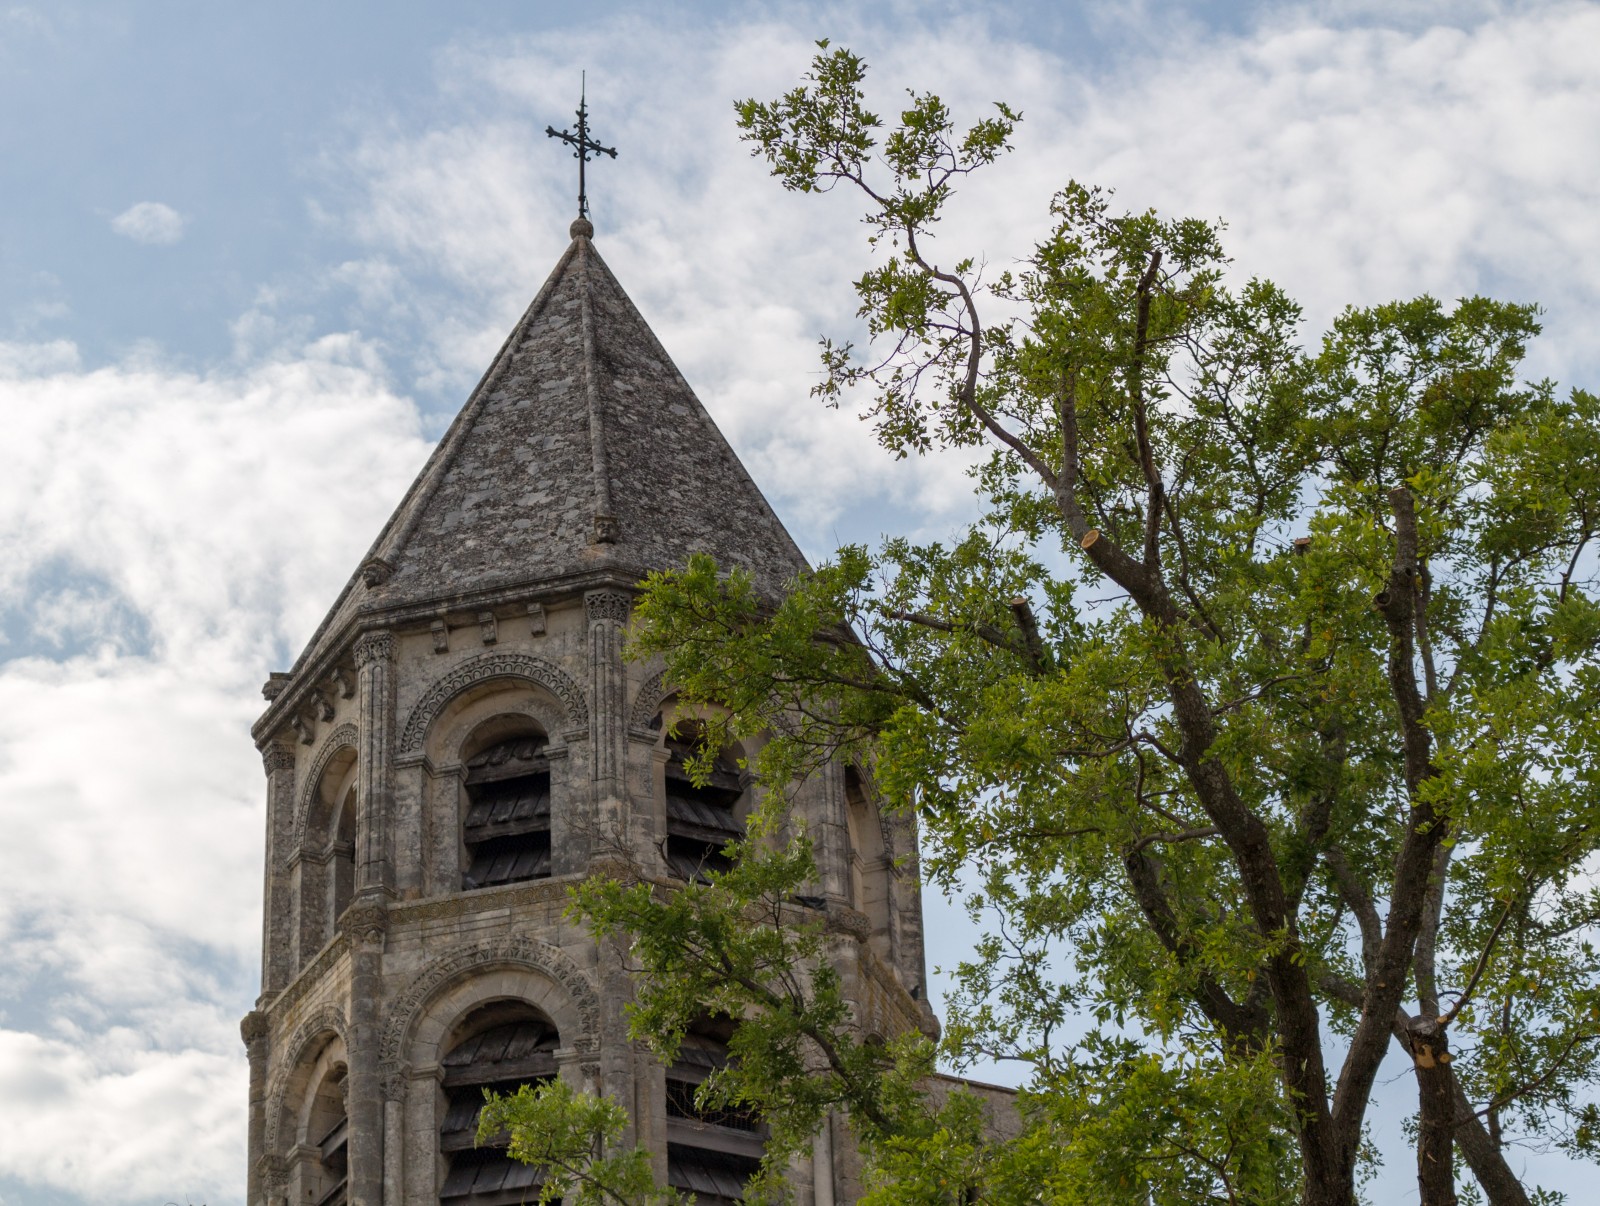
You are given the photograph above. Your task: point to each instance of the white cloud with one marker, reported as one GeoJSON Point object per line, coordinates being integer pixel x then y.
{"type": "Point", "coordinates": [223, 512]}
{"type": "Point", "coordinates": [150, 222]}
{"type": "Point", "coordinates": [167, 535]}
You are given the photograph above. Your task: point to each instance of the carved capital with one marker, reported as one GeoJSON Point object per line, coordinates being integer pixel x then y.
{"type": "Point", "coordinates": [274, 1172]}
{"type": "Point", "coordinates": [611, 605]}
{"type": "Point", "coordinates": [366, 922]}
{"type": "Point", "coordinates": [253, 1027]}
{"type": "Point", "coordinates": [393, 1077]}
{"type": "Point", "coordinates": [374, 646]}
{"type": "Point", "coordinates": [277, 758]}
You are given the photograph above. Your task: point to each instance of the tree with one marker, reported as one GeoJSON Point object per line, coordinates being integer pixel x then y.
{"type": "Point", "coordinates": [1260, 705]}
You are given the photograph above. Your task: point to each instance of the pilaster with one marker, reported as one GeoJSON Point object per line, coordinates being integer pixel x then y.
{"type": "Point", "coordinates": [253, 1030]}
{"type": "Point", "coordinates": [607, 612]}
{"type": "Point", "coordinates": [367, 922]}
{"type": "Point", "coordinates": [374, 653]}
{"type": "Point", "coordinates": [277, 920]}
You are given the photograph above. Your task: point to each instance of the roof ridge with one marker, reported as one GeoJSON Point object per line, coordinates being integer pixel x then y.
{"type": "Point", "coordinates": [402, 520]}
{"type": "Point", "coordinates": [605, 516]}
{"type": "Point", "coordinates": [432, 474]}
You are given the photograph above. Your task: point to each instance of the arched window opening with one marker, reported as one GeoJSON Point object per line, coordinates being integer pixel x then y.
{"type": "Point", "coordinates": [328, 1130]}
{"type": "Point", "coordinates": [870, 869]}
{"type": "Point", "coordinates": [504, 1045]}
{"type": "Point", "coordinates": [701, 818]}
{"type": "Point", "coordinates": [342, 860]}
{"type": "Point", "coordinates": [507, 825]}
{"type": "Point", "coordinates": [713, 1151]}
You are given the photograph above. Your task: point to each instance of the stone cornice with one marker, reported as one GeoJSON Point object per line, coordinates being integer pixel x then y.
{"type": "Point", "coordinates": [321, 658]}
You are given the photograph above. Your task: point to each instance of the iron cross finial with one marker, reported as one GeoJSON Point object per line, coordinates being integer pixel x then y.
{"type": "Point", "coordinates": [583, 146]}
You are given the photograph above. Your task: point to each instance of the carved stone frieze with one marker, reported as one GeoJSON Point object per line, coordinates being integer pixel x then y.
{"type": "Point", "coordinates": [612, 605]}
{"type": "Point", "coordinates": [526, 952]}
{"type": "Point", "coordinates": [343, 737]}
{"type": "Point", "coordinates": [372, 646]}
{"type": "Point", "coordinates": [482, 668]}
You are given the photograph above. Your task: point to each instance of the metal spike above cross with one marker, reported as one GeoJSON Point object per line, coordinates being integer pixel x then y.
{"type": "Point", "coordinates": [583, 146]}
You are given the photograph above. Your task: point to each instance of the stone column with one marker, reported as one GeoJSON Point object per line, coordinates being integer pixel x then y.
{"type": "Point", "coordinates": [277, 938]}
{"type": "Point", "coordinates": [831, 830]}
{"type": "Point", "coordinates": [253, 1030]}
{"type": "Point", "coordinates": [375, 779]}
{"type": "Point", "coordinates": [608, 728]}
{"type": "Point", "coordinates": [366, 923]}
{"type": "Point", "coordinates": [394, 1118]}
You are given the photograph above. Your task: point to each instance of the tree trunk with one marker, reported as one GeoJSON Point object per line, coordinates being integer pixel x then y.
{"type": "Point", "coordinates": [1429, 1044]}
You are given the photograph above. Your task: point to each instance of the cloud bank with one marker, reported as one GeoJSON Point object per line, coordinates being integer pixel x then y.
{"type": "Point", "coordinates": [168, 534]}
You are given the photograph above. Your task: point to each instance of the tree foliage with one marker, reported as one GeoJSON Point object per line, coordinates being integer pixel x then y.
{"type": "Point", "coordinates": [1256, 715]}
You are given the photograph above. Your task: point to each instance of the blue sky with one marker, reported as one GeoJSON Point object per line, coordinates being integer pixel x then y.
{"type": "Point", "coordinates": [253, 257]}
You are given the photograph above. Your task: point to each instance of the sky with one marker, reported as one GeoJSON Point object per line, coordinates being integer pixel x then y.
{"type": "Point", "coordinates": [253, 257]}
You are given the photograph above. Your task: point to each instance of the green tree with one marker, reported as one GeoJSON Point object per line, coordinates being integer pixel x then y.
{"type": "Point", "coordinates": [1259, 707]}
{"type": "Point", "coordinates": [571, 1137]}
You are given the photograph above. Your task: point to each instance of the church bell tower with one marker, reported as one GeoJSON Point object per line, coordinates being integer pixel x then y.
{"type": "Point", "coordinates": [444, 755]}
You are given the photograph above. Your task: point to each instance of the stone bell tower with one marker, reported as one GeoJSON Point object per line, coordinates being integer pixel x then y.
{"type": "Point", "coordinates": [462, 739]}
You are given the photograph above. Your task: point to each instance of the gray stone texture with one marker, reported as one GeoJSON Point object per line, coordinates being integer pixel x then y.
{"type": "Point", "coordinates": [495, 602]}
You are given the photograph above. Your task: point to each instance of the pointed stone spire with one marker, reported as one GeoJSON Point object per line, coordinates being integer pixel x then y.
{"type": "Point", "coordinates": [582, 451]}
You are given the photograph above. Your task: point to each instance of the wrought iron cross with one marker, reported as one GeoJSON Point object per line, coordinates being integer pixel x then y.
{"type": "Point", "coordinates": [583, 146]}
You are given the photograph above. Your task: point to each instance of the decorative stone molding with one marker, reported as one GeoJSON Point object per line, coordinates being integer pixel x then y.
{"type": "Point", "coordinates": [480, 669]}
{"type": "Point", "coordinates": [647, 702]}
{"type": "Point", "coordinates": [608, 605]}
{"type": "Point", "coordinates": [530, 953]}
{"type": "Point", "coordinates": [371, 646]}
{"type": "Point", "coordinates": [274, 1173]}
{"type": "Point", "coordinates": [254, 1025]}
{"type": "Point", "coordinates": [277, 758]}
{"type": "Point", "coordinates": [343, 737]}
{"type": "Point", "coordinates": [375, 571]}
{"type": "Point", "coordinates": [311, 975]}
{"type": "Point", "coordinates": [328, 1019]}
{"type": "Point", "coordinates": [451, 908]}
{"type": "Point", "coordinates": [393, 1077]}
{"type": "Point", "coordinates": [366, 921]}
